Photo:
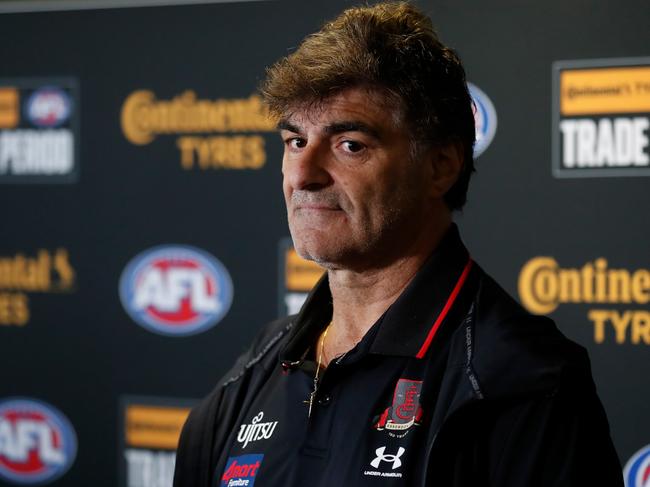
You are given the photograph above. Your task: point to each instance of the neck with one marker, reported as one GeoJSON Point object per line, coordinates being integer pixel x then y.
{"type": "Point", "coordinates": [360, 297]}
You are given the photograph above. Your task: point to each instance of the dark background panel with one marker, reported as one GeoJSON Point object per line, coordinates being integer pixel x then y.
{"type": "Point", "coordinates": [81, 352]}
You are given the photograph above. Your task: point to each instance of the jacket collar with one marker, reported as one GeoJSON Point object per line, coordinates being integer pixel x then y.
{"type": "Point", "coordinates": [410, 324]}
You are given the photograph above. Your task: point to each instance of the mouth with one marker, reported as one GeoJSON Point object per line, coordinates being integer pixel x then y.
{"type": "Point", "coordinates": [317, 207]}
{"type": "Point", "coordinates": [314, 203]}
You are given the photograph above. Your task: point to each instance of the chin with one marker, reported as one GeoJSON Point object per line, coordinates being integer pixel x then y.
{"type": "Point", "coordinates": [308, 251]}
{"type": "Point", "coordinates": [318, 250]}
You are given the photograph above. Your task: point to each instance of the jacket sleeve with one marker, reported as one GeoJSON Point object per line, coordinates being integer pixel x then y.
{"type": "Point", "coordinates": [210, 422]}
{"type": "Point", "coordinates": [560, 440]}
{"type": "Point", "coordinates": [203, 428]}
{"type": "Point", "coordinates": [193, 456]}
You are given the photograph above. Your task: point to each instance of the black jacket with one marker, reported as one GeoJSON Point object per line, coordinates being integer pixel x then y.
{"type": "Point", "coordinates": [516, 407]}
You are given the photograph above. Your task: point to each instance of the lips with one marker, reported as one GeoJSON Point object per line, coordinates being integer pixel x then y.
{"type": "Point", "coordinates": [315, 201]}
{"type": "Point", "coordinates": [316, 208]}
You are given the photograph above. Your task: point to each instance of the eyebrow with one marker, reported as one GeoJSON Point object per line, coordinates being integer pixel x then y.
{"type": "Point", "coordinates": [351, 126]}
{"type": "Point", "coordinates": [334, 127]}
{"type": "Point", "coordinates": [285, 125]}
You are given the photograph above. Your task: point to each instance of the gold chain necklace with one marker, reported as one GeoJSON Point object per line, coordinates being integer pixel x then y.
{"type": "Point", "coordinates": [312, 394]}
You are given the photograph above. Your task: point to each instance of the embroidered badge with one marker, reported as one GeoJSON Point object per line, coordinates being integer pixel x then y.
{"type": "Point", "coordinates": [405, 410]}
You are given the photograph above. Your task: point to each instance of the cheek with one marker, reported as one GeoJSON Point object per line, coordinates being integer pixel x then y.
{"type": "Point", "coordinates": [398, 193]}
{"type": "Point", "coordinates": [375, 203]}
{"type": "Point", "coordinates": [286, 189]}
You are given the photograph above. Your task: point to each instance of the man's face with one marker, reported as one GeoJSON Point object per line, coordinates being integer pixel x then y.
{"type": "Point", "coordinates": [354, 196]}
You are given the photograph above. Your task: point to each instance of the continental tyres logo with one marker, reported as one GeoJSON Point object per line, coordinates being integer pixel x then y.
{"type": "Point", "coordinates": [210, 134]}
{"type": "Point", "coordinates": [601, 117]}
{"type": "Point", "coordinates": [544, 286]}
{"type": "Point", "coordinates": [297, 277]}
{"type": "Point", "coordinates": [150, 433]}
{"type": "Point", "coordinates": [22, 274]}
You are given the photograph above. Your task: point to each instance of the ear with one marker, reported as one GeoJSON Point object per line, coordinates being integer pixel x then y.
{"type": "Point", "coordinates": [446, 164]}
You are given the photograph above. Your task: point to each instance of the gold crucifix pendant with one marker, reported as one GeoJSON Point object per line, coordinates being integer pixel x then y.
{"type": "Point", "coordinates": [312, 395]}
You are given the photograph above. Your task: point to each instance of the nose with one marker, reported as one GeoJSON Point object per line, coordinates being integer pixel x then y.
{"type": "Point", "coordinates": [307, 169]}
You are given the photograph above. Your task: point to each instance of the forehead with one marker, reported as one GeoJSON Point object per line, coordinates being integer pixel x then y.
{"type": "Point", "coordinates": [372, 106]}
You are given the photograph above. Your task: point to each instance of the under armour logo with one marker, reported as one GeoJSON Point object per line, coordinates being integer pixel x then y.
{"type": "Point", "coordinates": [381, 457]}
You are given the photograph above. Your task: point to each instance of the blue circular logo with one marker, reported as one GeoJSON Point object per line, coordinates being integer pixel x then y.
{"type": "Point", "coordinates": [37, 442]}
{"type": "Point", "coordinates": [637, 469]}
{"type": "Point", "coordinates": [485, 119]}
{"type": "Point", "coordinates": [48, 107]}
{"type": "Point", "coordinates": [176, 290]}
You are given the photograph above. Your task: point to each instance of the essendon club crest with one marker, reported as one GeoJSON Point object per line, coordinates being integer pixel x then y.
{"type": "Point", "coordinates": [405, 410]}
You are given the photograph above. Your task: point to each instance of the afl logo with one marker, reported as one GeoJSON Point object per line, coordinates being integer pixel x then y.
{"type": "Point", "coordinates": [637, 469]}
{"type": "Point", "coordinates": [485, 119]}
{"type": "Point", "coordinates": [37, 442]}
{"type": "Point", "coordinates": [176, 290]}
{"type": "Point", "coordinates": [48, 107]}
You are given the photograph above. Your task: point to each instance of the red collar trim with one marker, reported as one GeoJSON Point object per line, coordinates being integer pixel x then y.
{"type": "Point", "coordinates": [443, 314]}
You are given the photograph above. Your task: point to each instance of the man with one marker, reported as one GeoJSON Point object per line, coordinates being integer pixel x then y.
{"type": "Point", "coordinates": [407, 365]}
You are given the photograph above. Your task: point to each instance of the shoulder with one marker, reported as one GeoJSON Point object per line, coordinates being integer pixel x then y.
{"type": "Point", "coordinates": [260, 354]}
{"type": "Point", "coordinates": [261, 351]}
{"type": "Point", "coordinates": [210, 421]}
{"type": "Point", "coordinates": [517, 352]}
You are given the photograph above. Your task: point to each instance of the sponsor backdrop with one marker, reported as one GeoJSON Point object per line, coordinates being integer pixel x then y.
{"type": "Point", "coordinates": [144, 239]}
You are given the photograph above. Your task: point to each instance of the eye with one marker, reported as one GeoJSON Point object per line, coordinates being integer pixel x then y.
{"type": "Point", "coordinates": [295, 142]}
{"type": "Point", "coordinates": [352, 146]}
